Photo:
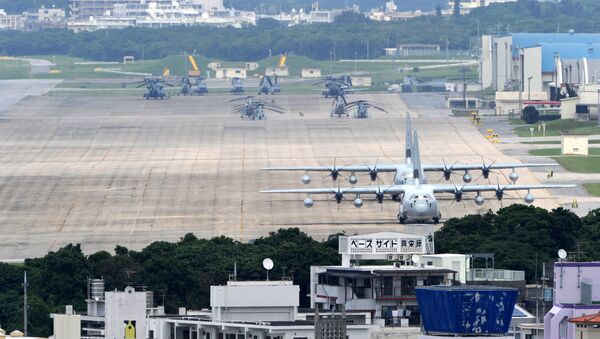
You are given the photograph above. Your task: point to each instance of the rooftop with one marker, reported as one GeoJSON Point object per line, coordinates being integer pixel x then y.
{"type": "Point", "coordinates": [587, 319]}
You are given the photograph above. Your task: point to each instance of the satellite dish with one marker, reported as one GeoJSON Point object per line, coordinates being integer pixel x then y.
{"type": "Point", "coordinates": [268, 264]}
{"type": "Point", "coordinates": [562, 253]}
{"type": "Point", "coordinates": [416, 259]}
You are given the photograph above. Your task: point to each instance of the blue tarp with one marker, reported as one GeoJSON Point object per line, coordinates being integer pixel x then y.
{"type": "Point", "coordinates": [466, 309]}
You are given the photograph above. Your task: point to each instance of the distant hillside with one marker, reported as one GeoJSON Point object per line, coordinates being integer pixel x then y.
{"type": "Point", "coordinates": [272, 6]}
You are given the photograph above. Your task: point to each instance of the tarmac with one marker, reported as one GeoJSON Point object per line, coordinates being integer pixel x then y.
{"type": "Point", "coordinates": [106, 171]}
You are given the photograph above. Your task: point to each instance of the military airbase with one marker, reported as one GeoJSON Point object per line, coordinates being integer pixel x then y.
{"type": "Point", "coordinates": [102, 171]}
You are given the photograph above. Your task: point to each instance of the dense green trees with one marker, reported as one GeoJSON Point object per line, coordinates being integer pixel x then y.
{"type": "Point", "coordinates": [520, 237]}
{"type": "Point", "coordinates": [315, 41]}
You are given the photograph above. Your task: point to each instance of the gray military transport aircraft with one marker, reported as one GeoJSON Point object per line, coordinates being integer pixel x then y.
{"type": "Point", "coordinates": [410, 187]}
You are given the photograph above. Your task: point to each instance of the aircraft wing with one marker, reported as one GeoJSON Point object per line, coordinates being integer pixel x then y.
{"type": "Point", "coordinates": [351, 168]}
{"type": "Point", "coordinates": [462, 167]}
{"type": "Point", "coordinates": [395, 189]}
{"type": "Point", "coordinates": [484, 188]}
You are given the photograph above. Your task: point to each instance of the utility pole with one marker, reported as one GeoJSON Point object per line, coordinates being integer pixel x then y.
{"type": "Point", "coordinates": [25, 284]}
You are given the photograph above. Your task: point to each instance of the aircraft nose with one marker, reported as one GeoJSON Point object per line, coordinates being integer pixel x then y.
{"type": "Point", "coordinates": [421, 207]}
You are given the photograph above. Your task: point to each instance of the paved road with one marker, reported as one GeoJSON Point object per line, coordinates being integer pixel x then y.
{"type": "Point", "coordinates": [12, 91]}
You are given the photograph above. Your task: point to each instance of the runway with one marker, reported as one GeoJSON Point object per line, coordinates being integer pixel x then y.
{"type": "Point", "coordinates": [107, 171]}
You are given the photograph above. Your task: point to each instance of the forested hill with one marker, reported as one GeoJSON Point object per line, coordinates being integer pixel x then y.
{"type": "Point", "coordinates": [350, 32]}
{"type": "Point", "coordinates": [277, 5]}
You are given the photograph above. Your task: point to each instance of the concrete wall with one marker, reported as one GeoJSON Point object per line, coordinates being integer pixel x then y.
{"type": "Point", "coordinates": [272, 71]}
{"type": "Point", "coordinates": [574, 145]}
{"type": "Point", "coordinates": [532, 61]}
{"type": "Point", "coordinates": [501, 61]}
{"type": "Point", "coordinates": [568, 277]}
{"type": "Point", "coordinates": [228, 73]}
{"type": "Point", "coordinates": [485, 61]}
{"type": "Point", "coordinates": [255, 301]}
{"type": "Point", "coordinates": [67, 326]}
{"type": "Point", "coordinates": [311, 73]}
{"type": "Point", "coordinates": [125, 306]}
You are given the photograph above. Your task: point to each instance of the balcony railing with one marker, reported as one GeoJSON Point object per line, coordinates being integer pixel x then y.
{"type": "Point", "coordinates": [490, 274]}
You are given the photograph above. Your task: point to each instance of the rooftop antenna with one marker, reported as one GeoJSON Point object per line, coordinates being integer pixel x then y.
{"type": "Point", "coordinates": [562, 254]}
{"type": "Point", "coordinates": [268, 265]}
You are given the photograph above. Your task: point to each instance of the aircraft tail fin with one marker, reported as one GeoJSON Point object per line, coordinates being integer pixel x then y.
{"type": "Point", "coordinates": [417, 169]}
{"type": "Point", "coordinates": [409, 140]}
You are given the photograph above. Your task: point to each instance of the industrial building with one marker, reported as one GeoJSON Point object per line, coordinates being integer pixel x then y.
{"type": "Point", "coordinates": [532, 61]}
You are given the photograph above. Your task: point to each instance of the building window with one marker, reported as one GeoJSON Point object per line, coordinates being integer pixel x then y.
{"type": "Point", "coordinates": [388, 286]}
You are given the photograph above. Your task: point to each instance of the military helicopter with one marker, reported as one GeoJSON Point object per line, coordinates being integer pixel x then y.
{"type": "Point", "coordinates": [268, 86]}
{"type": "Point", "coordinates": [339, 106]}
{"type": "Point", "coordinates": [200, 88]}
{"type": "Point", "coordinates": [362, 108]}
{"type": "Point", "coordinates": [254, 109]}
{"type": "Point", "coordinates": [335, 86]}
{"type": "Point", "coordinates": [237, 86]}
{"type": "Point", "coordinates": [155, 88]}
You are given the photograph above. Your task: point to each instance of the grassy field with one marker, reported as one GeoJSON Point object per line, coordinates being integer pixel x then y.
{"type": "Point", "coordinates": [556, 151]}
{"type": "Point", "coordinates": [593, 188]}
{"type": "Point", "coordinates": [554, 127]}
{"type": "Point", "coordinates": [14, 69]}
{"type": "Point", "coordinates": [384, 73]}
{"type": "Point", "coordinates": [579, 164]}
{"type": "Point", "coordinates": [554, 142]}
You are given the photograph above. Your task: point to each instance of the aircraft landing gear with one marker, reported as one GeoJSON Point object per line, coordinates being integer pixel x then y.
{"type": "Point", "coordinates": [436, 220]}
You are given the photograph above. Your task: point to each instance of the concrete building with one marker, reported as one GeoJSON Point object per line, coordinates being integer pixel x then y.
{"type": "Point", "coordinates": [466, 6]}
{"type": "Point", "coordinates": [418, 49]}
{"type": "Point", "coordinates": [249, 301]}
{"type": "Point", "coordinates": [230, 72]}
{"type": "Point", "coordinates": [574, 144]}
{"type": "Point", "coordinates": [576, 293]}
{"type": "Point", "coordinates": [387, 292]}
{"type": "Point", "coordinates": [68, 325]}
{"type": "Point", "coordinates": [9, 21]}
{"type": "Point", "coordinates": [277, 71]}
{"type": "Point", "coordinates": [587, 326]}
{"type": "Point", "coordinates": [125, 312]}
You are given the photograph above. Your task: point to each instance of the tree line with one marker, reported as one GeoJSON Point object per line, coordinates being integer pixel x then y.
{"type": "Point", "coordinates": [350, 33]}
{"type": "Point", "coordinates": [521, 237]}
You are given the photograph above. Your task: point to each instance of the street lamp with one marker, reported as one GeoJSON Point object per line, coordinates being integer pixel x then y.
{"type": "Point", "coordinates": [529, 88]}
{"type": "Point", "coordinates": [330, 62]}
{"type": "Point", "coordinates": [355, 66]}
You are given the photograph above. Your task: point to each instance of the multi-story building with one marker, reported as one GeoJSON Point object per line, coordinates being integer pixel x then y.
{"type": "Point", "coordinates": [576, 294]}
{"type": "Point", "coordinates": [387, 291]}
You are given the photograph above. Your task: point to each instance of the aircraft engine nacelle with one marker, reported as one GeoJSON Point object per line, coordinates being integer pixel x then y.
{"type": "Point", "coordinates": [308, 202]}
{"type": "Point", "coordinates": [458, 195]}
{"type": "Point", "coordinates": [467, 177]}
{"type": "Point", "coordinates": [352, 179]}
{"type": "Point", "coordinates": [358, 202]}
{"type": "Point", "coordinates": [513, 176]}
{"type": "Point", "coordinates": [306, 179]}
{"type": "Point", "coordinates": [479, 200]}
{"type": "Point", "coordinates": [529, 198]}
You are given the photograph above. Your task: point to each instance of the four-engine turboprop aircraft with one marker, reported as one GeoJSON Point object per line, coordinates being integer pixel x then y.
{"type": "Point", "coordinates": [417, 197]}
